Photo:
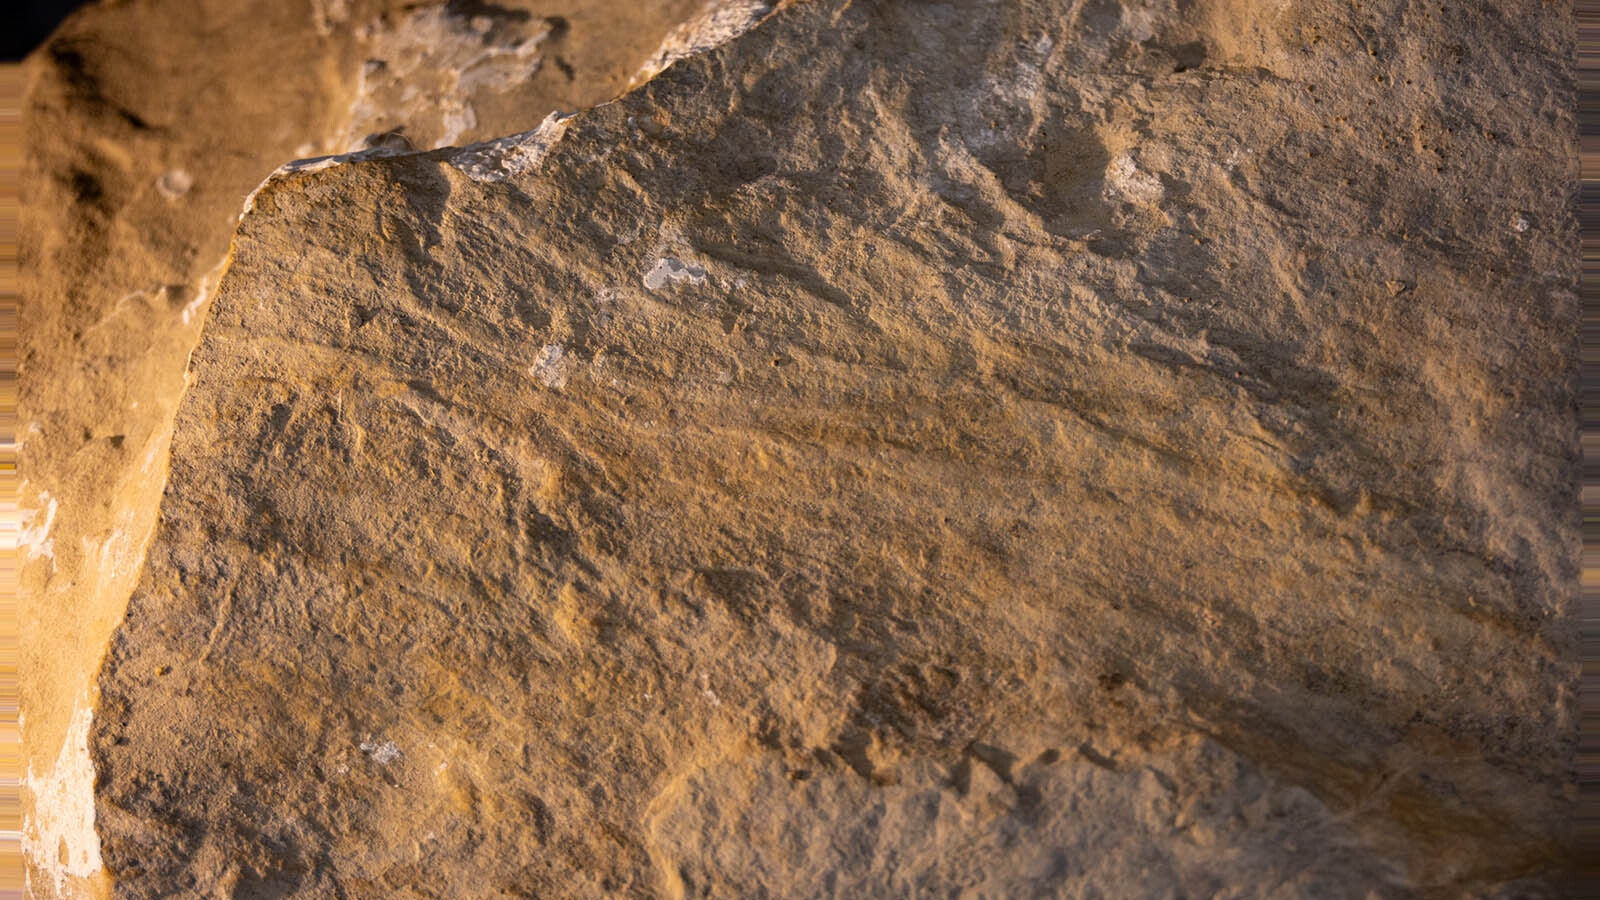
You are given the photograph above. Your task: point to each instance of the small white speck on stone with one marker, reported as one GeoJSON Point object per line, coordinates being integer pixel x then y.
{"type": "Point", "coordinates": [551, 366]}
{"type": "Point", "coordinates": [1124, 180]}
{"type": "Point", "coordinates": [34, 535]}
{"type": "Point", "coordinates": [669, 270]}
{"type": "Point", "coordinates": [174, 184]}
{"type": "Point", "coordinates": [383, 753]}
{"type": "Point", "coordinates": [1520, 224]}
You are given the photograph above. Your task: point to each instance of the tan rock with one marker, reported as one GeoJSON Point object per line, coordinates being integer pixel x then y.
{"type": "Point", "coordinates": [908, 449]}
{"type": "Point", "coordinates": [147, 124]}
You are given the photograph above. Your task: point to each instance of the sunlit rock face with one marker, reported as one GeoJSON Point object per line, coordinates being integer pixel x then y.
{"type": "Point", "coordinates": [895, 449]}
{"type": "Point", "coordinates": [147, 124]}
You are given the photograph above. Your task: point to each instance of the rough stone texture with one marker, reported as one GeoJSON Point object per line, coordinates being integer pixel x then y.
{"type": "Point", "coordinates": [1038, 449]}
{"type": "Point", "coordinates": [147, 123]}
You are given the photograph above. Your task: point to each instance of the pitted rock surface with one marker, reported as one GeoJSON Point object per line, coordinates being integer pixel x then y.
{"type": "Point", "coordinates": [1042, 449]}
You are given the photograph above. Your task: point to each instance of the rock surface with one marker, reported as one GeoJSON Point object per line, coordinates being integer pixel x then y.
{"type": "Point", "coordinates": [1063, 448]}
{"type": "Point", "coordinates": [147, 124]}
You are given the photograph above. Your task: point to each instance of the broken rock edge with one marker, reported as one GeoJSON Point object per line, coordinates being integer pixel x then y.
{"type": "Point", "coordinates": [511, 157]}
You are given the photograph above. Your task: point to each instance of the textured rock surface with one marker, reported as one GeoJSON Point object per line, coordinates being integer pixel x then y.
{"type": "Point", "coordinates": [1060, 448]}
{"type": "Point", "coordinates": [147, 124]}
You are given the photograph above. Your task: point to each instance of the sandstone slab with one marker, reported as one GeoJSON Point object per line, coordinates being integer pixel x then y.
{"type": "Point", "coordinates": [147, 124]}
{"type": "Point", "coordinates": [1037, 449]}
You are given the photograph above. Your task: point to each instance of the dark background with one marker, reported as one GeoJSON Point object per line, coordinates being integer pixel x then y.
{"type": "Point", "coordinates": [31, 21]}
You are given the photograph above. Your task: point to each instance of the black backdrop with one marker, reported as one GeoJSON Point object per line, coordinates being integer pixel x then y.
{"type": "Point", "coordinates": [31, 22]}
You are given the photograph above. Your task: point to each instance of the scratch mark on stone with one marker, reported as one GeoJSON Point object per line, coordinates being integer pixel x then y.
{"type": "Point", "coordinates": [670, 270]}
{"type": "Point", "coordinates": [223, 609]}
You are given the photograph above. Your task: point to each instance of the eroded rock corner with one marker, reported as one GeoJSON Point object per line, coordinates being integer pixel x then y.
{"type": "Point", "coordinates": [148, 123]}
